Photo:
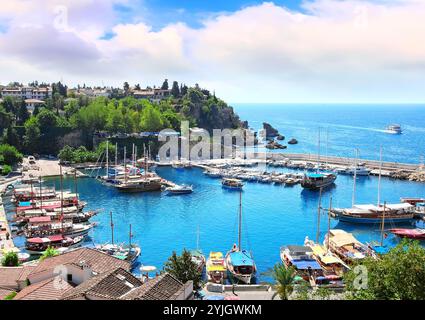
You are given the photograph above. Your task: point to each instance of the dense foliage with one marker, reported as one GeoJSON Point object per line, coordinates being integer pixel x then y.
{"type": "Point", "coordinates": [121, 114]}
{"type": "Point", "coordinates": [9, 156]}
{"type": "Point", "coordinates": [398, 275]}
{"type": "Point", "coordinates": [10, 259]}
{"type": "Point", "coordinates": [183, 268]}
{"type": "Point", "coordinates": [50, 252]}
{"type": "Point", "coordinates": [81, 154]}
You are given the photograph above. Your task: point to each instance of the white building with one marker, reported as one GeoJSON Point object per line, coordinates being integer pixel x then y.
{"type": "Point", "coordinates": [40, 93]}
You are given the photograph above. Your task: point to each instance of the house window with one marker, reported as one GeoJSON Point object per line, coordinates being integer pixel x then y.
{"type": "Point", "coordinates": [69, 277]}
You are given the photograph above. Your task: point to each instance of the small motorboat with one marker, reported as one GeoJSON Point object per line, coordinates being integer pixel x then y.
{"type": "Point", "coordinates": [179, 189]}
{"type": "Point", "coordinates": [394, 129]}
{"type": "Point", "coordinates": [418, 234]}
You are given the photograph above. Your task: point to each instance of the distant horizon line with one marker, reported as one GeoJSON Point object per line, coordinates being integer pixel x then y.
{"type": "Point", "coordinates": [331, 103]}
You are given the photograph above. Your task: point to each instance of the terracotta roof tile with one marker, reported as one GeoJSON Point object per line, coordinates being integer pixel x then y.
{"type": "Point", "coordinates": [50, 289]}
{"type": "Point", "coordinates": [110, 285]}
{"type": "Point", "coordinates": [163, 287]}
{"type": "Point", "coordinates": [9, 276]}
{"type": "Point", "coordinates": [98, 261]}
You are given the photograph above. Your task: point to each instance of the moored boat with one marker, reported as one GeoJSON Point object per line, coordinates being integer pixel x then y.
{"type": "Point", "coordinates": [315, 181]}
{"type": "Point", "coordinates": [346, 246]}
{"type": "Point", "coordinates": [38, 245]}
{"type": "Point", "coordinates": [128, 253]}
{"type": "Point", "coordinates": [371, 214]}
{"type": "Point", "coordinates": [301, 259]}
{"type": "Point", "coordinates": [198, 258]}
{"type": "Point", "coordinates": [240, 263]}
{"type": "Point", "coordinates": [417, 234]}
{"type": "Point", "coordinates": [179, 189]}
{"type": "Point", "coordinates": [231, 183]}
{"type": "Point", "coordinates": [216, 267]}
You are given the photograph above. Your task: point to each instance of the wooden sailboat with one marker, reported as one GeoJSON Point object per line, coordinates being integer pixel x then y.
{"type": "Point", "coordinates": [240, 262]}
{"type": "Point", "coordinates": [197, 256]}
{"type": "Point", "coordinates": [370, 213]}
{"type": "Point", "coordinates": [318, 180]}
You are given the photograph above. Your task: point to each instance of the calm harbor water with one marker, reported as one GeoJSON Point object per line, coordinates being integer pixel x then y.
{"type": "Point", "coordinates": [349, 127]}
{"type": "Point", "coordinates": [272, 215]}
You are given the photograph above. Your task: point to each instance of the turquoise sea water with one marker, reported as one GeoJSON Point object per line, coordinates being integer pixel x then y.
{"type": "Point", "coordinates": [273, 215]}
{"type": "Point", "coordinates": [348, 126]}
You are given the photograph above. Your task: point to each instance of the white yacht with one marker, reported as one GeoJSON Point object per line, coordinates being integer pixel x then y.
{"type": "Point", "coordinates": [394, 129]}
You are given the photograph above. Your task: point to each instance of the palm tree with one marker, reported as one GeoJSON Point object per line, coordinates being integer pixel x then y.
{"type": "Point", "coordinates": [284, 278]}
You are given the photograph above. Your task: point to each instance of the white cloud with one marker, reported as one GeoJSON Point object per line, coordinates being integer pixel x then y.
{"type": "Point", "coordinates": [333, 51]}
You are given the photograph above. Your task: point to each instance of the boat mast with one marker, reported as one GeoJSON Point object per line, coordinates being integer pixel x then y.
{"type": "Point", "coordinates": [75, 183]}
{"type": "Point", "coordinates": [240, 222]}
{"type": "Point", "coordinates": [107, 158]}
{"type": "Point", "coordinates": [329, 223]}
{"type": "Point", "coordinates": [41, 193]}
{"type": "Point", "coordinates": [353, 199]}
{"type": "Point", "coordinates": [125, 165]}
{"type": "Point", "coordinates": [129, 241]}
{"type": "Point", "coordinates": [318, 216]}
{"type": "Point", "coordinates": [383, 224]}
{"type": "Point", "coordinates": [112, 228]}
{"type": "Point", "coordinates": [379, 177]}
{"type": "Point", "coordinates": [327, 143]}
{"type": "Point", "coordinates": [318, 152]}
{"type": "Point", "coordinates": [61, 182]}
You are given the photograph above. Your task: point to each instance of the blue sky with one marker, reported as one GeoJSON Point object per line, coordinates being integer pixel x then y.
{"type": "Point", "coordinates": [159, 13]}
{"type": "Point", "coordinates": [246, 51]}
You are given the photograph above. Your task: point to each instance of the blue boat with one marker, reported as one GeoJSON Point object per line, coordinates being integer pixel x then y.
{"type": "Point", "coordinates": [240, 263]}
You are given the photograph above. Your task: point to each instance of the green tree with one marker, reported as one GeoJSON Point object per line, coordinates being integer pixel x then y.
{"type": "Point", "coordinates": [126, 87]}
{"type": "Point", "coordinates": [151, 119]}
{"type": "Point", "coordinates": [397, 275]}
{"type": "Point", "coordinates": [10, 154]}
{"type": "Point", "coordinates": [10, 259]}
{"type": "Point", "coordinates": [50, 252]}
{"type": "Point", "coordinates": [284, 278]}
{"type": "Point", "coordinates": [165, 85]}
{"type": "Point", "coordinates": [47, 119]}
{"type": "Point", "coordinates": [175, 91]}
{"type": "Point", "coordinates": [5, 118]}
{"type": "Point", "coordinates": [12, 137]}
{"type": "Point", "coordinates": [22, 113]}
{"type": "Point", "coordinates": [183, 268]}
{"type": "Point", "coordinates": [66, 154]}
{"type": "Point", "coordinates": [32, 135]}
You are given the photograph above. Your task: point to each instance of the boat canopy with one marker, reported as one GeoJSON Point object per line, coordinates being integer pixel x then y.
{"type": "Point", "coordinates": [216, 268]}
{"type": "Point", "coordinates": [344, 239]}
{"type": "Point", "coordinates": [315, 175]}
{"type": "Point", "coordinates": [306, 264]}
{"type": "Point", "coordinates": [40, 219]}
{"type": "Point", "coordinates": [38, 240]}
{"type": "Point", "coordinates": [196, 253]}
{"type": "Point", "coordinates": [241, 258]}
{"type": "Point", "coordinates": [216, 255]}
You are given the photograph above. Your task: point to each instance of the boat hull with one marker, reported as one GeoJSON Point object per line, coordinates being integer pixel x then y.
{"type": "Point", "coordinates": [390, 220]}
